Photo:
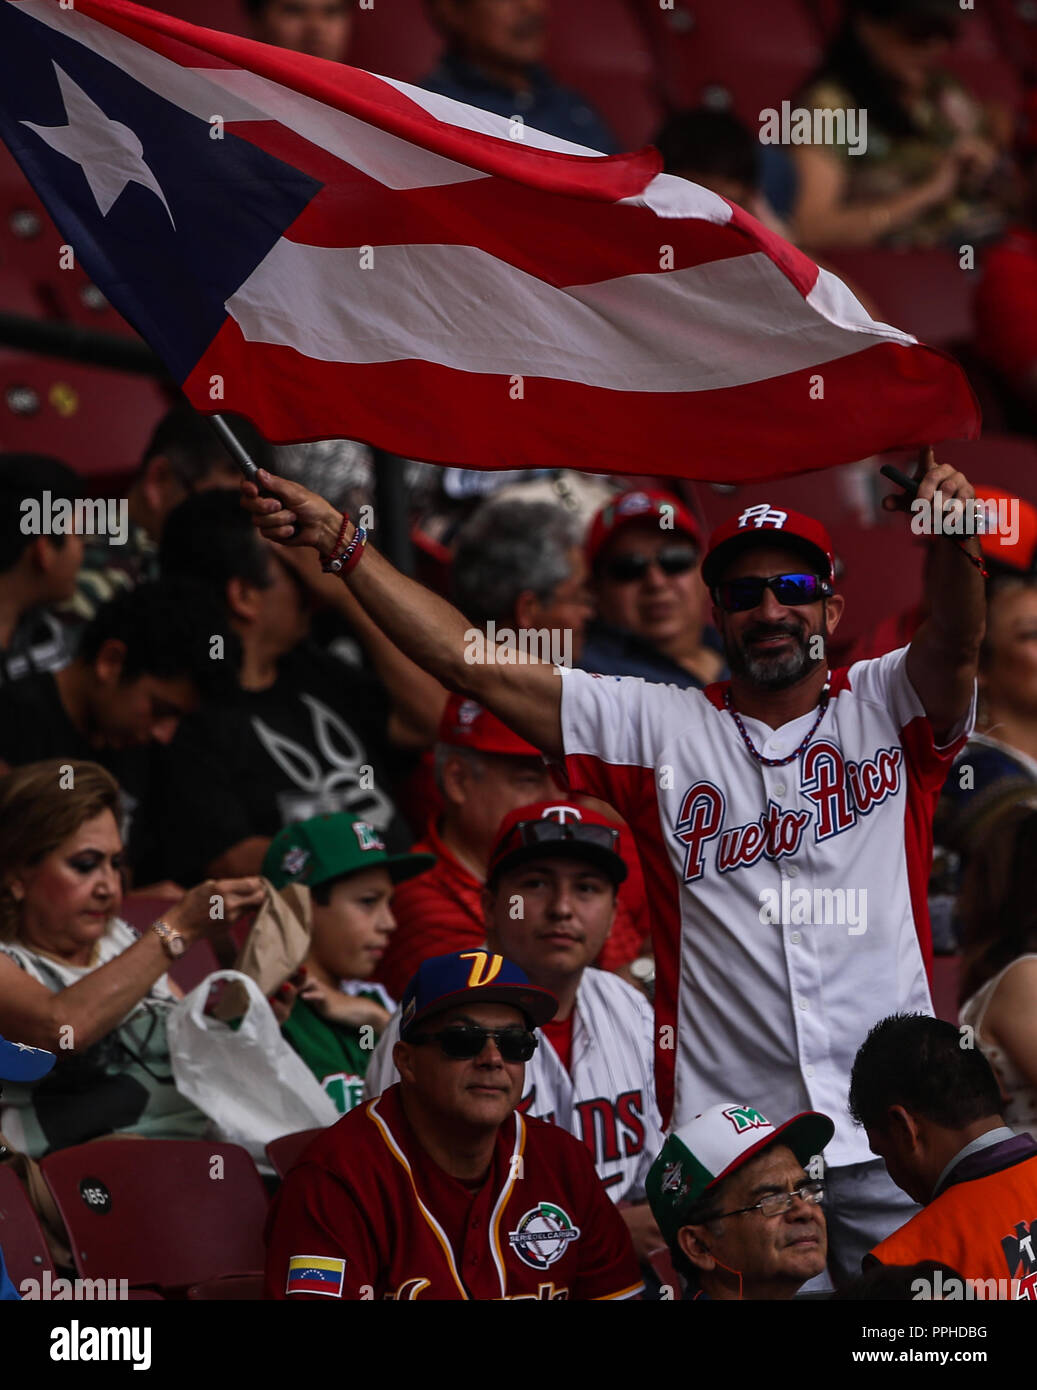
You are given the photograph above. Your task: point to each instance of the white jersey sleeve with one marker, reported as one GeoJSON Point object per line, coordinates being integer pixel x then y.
{"type": "Point", "coordinates": [883, 682]}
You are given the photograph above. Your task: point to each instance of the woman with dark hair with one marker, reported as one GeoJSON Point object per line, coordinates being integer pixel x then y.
{"type": "Point", "coordinates": [923, 174]}
{"type": "Point", "coordinates": [999, 959]}
{"type": "Point", "coordinates": [75, 979]}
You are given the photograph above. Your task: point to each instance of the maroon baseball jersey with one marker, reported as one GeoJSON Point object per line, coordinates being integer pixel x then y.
{"type": "Point", "coordinates": [367, 1214]}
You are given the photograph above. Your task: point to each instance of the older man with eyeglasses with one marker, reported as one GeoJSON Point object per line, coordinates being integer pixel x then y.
{"type": "Point", "coordinates": [439, 1188]}
{"type": "Point", "coordinates": [735, 1199]}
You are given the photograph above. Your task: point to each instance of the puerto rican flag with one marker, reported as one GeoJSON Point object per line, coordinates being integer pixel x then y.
{"type": "Point", "coordinates": [332, 253]}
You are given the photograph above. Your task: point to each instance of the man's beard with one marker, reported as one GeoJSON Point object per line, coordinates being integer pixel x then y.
{"type": "Point", "coordinates": [781, 670]}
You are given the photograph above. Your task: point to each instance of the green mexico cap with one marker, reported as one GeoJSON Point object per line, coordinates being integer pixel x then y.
{"type": "Point", "coordinates": [326, 847]}
{"type": "Point", "coordinates": [700, 1153]}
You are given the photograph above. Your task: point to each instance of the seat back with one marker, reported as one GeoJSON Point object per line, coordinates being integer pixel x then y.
{"type": "Point", "coordinates": [284, 1152]}
{"type": "Point", "coordinates": [169, 1212]}
{"type": "Point", "coordinates": [26, 1254]}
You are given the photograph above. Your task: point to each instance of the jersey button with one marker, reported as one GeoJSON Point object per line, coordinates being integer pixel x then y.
{"type": "Point", "coordinates": [808, 1071]}
{"type": "Point", "coordinates": [779, 788]}
{"type": "Point", "coordinates": [795, 938]}
{"type": "Point", "coordinates": [804, 1002]}
{"type": "Point", "coordinates": [793, 872]}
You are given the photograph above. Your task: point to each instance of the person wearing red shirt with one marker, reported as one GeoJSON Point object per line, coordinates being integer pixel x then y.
{"type": "Point", "coordinates": [439, 1189]}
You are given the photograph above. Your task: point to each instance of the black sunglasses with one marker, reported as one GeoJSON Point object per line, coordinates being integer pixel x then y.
{"type": "Point", "coordinates": [462, 1042]}
{"type": "Point", "coordinates": [792, 590]}
{"type": "Point", "coordinates": [547, 831]}
{"type": "Point", "coordinates": [671, 559]}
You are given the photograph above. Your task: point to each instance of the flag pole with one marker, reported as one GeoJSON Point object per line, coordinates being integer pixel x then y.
{"type": "Point", "coordinates": [239, 454]}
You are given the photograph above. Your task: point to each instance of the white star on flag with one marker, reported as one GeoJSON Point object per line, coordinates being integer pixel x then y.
{"type": "Point", "coordinates": [109, 153]}
{"type": "Point", "coordinates": [24, 1047]}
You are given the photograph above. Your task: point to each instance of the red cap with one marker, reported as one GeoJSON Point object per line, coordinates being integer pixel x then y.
{"type": "Point", "coordinates": [576, 833]}
{"type": "Point", "coordinates": [466, 724]}
{"type": "Point", "coordinates": [767, 525]}
{"type": "Point", "coordinates": [1018, 554]}
{"type": "Point", "coordinates": [637, 506]}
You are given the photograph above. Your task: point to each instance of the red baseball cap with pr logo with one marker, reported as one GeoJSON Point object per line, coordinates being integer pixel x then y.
{"type": "Point", "coordinates": [763, 524]}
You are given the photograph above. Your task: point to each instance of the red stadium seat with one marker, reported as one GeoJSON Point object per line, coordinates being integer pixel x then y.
{"type": "Point", "coordinates": [26, 1253]}
{"type": "Point", "coordinates": [738, 52]}
{"type": "Point", "coordinates": [17, 295]}
{"type": "Point", "coordinates": [662, 1264]}
{"type": "Point", "coordinates": [1007, 461]}
{"type": "Point", "coordinates": [96, 420]}
{"type": "Point", "coordinates": [978, 59]}
{"type": "Point", "coordinates": [284, 1152]}
{"type": "Point", "coordinates": [1015, 22]}
{"type": "Point", "coordinates": [158, 1211]}
{"type": "Point", "coordinates": [395, 40]}
{"type": "Point", "coordinates": [946, 973]}
{"type": "Point", "coordinates": [241, 1287]}
{"type": "Point", "coordinates": [925, 293]}
{"type": "Point", "coordinates": [598, 48]}
{"type": "Point", "coordinates": [879, 571]}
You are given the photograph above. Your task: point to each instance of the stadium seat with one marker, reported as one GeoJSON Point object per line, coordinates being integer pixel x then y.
{"type": "Point", "coordinates": [240, 1287]}
{"type": "Point", "coordinates": [981, 62]}
{"type": "Point", "coordinates": [832, 495]}
{"type": "Point", "coordinates": [94, 419]}
{"type": "Point", "coordinates": [26, 1253]}
{"type": "Point", "coordinates": [737, 53]}
{"type": "Point", "coordinates": [662, 1265]}
{"type": "Point", "coordinates": [159, 1212]}
{"type": "Point", "coordinates": [879, 571]}
{"type": "Point", "coordinates": [599, 48]}
{"type": "Point", "coordinates": [284, 1151]}
{"type": "Point", "coordinates": [395, 40]}
{"type": "Point", "coordinates": [925, 293]}
{"type": "Point", "coordinates": [17, 294]}
{"type": "Point", "coordinates": [1015, 23]}
{"type": "Point", "coordinates": [1008, 461]}
{"type": "Point", "coordinates": [946, 974]}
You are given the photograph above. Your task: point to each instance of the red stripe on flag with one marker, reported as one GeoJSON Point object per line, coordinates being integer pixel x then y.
{"type": "Point", "coordinates": [740, 434]}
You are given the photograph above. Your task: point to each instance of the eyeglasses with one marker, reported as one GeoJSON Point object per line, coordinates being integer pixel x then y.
{"type": "Point", "coordinates": [547, 831]}
{"type": "Point", "coordinates": [462, 1043]}
{"type": "Point", "coordinates": [777, 1202]}
{"type": "Point", "coordinates": [671, 559]}
{"type": "Point", "coordinates": [792, 590]}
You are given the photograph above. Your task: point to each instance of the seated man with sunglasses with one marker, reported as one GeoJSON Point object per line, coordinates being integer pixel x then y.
{"type": "Point", "coordinates": [643, 551]}
{"type": "Point", "coordinates": [548, 905]}
{"type": "Point", "coordinates": [755, 804]}
{"type": "Point", "coordinates": [733, 1196]}
{"type": "Point", "coordinates": [440, 1188]}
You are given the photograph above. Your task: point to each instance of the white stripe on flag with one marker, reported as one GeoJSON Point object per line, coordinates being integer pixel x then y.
{"type": "Point", "coordinates": [461, 307]}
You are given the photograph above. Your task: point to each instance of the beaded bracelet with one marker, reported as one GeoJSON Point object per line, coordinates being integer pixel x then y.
{"type": "Point", "coordinates": [325, 563]}
{"type": "Point", "coordinates": [349, 558]}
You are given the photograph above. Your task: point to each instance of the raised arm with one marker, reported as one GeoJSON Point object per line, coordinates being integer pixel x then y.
{"type": "Point", "coordinates": [422, 625]}
{"type": "Point", "coordinates": [944, 653]}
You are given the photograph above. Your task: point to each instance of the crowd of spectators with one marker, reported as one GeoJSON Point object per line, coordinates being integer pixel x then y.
{"type": "Point", "coordinates": [196, 709]}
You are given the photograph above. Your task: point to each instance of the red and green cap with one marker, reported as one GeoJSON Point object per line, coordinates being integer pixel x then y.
{"type": "Point", "coordinates": [702, 1152]}
{"type": "Point", "coordinates": [328, 847]}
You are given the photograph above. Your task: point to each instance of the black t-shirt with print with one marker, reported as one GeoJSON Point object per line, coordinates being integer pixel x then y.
{"type": "Point", "coordinates": [313, 743]}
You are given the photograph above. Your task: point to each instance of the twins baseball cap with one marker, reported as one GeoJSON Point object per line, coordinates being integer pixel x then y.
{"type": "Point", "coordinates": [20, 1062]}
{"type": "Point", "coordinates": [472, 977]}
{"type": "Point", "coordinates": [325, 847]}
{"type": "Point", "coordinates": [467, 724]}
{"type": "Point", "coordinates": [767, 525]}
{"type": "Point", "coordinates": [702, 1152]}
{"type": "Point", "coordinates": [557, 829]}
{"type": "Point", "coordinates": [637, 506]}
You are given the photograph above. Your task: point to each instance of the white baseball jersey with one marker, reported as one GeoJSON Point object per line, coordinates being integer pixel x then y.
{"type": "Point", "coordinates": [608, 1099]}
{"type": "Point", "coordinates": [762, 992]}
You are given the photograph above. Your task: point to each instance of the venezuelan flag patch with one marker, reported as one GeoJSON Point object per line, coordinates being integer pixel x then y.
{"type": "Point", "coordinates": [316, 1274]}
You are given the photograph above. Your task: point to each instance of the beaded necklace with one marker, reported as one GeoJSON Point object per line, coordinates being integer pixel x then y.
{"type": "Point", "coordinates": [775, 762]}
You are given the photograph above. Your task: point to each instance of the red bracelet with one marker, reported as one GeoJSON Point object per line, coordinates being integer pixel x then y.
{"type": "Point", "coordinates": [342, 564]}
{"type": "Point", "coordinates": [326, 560]}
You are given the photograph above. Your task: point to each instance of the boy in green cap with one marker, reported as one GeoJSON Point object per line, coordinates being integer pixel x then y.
{"type": "Point", "coordinates": [351, 878]}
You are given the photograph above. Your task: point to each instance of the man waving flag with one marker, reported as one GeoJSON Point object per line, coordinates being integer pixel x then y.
{"type": "Point", "coordinates": [333, 253]}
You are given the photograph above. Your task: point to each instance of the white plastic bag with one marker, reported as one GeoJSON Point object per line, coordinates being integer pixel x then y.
{"type": "Point", "coordinates": [247, 1080]}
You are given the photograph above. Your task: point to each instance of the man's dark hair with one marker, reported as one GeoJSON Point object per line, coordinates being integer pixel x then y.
{"type": "Point", "coordinates": [704, 141]}
{"type": "Point", "coordinates": [920, 1063]}
{"type": "Point", "coordinates": [193, 448]}
{"type": "Point", "coordinates": [24, 477]}
{"type": "Point", "coordinates": [210, 537]}
{"type": "Point", "coordinates": [167, 629]}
